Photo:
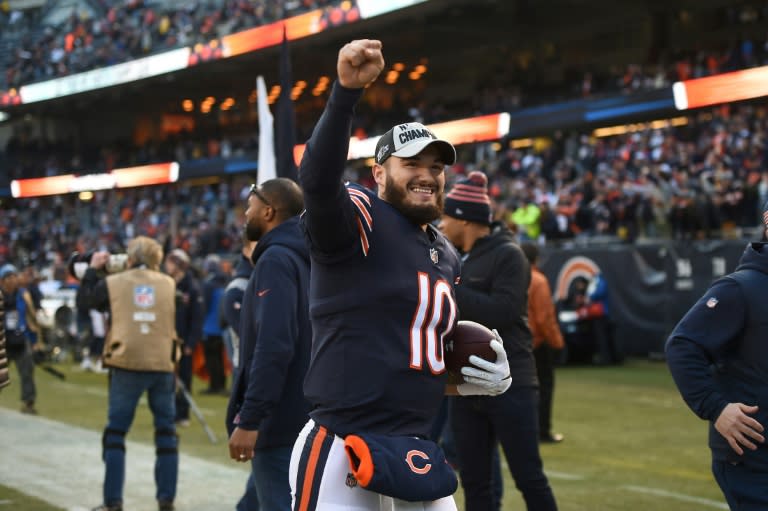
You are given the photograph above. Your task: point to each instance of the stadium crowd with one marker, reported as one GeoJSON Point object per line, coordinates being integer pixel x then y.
{"type": "Point", "coordinates": [693, 180]}
{"type": "Point", "coordinates": [122, 31]}
{"type": "Point", "coordinates": [702, 178]}
{"type": "Point", "coordinates": [112, 34]}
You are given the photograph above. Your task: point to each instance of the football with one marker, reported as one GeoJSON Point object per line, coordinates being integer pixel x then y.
{"type": "Point", "coordinates": [468, 338]}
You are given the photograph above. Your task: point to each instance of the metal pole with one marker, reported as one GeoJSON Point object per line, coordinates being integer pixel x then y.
{"type": "Point", "coordinates": [196, 410]}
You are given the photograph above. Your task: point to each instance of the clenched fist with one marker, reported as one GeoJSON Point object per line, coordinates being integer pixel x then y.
{"type": "Point", "coordinates": [360, 63]}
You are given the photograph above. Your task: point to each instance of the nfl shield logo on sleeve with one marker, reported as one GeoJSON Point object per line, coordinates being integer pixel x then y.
{"type": "Point", "coordinates": [712, 302]}
{"type": "Point", "coordinates": [144, 296]}
{"type": "Point", "coordinates": [433, 255]}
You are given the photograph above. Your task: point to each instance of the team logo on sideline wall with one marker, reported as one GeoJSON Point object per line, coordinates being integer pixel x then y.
{"type": "Point", "coordinates": [144, 296]}
{"type": "Point", "coordinates": [574, 268]}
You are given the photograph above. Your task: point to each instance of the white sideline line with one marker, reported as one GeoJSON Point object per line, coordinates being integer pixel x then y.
{"type": "Point", "coordinates": [674, 495]}
{"type": "Point", "coordinates": [61, 464]}
{"type": "Point", "coordinates": [565, 476]}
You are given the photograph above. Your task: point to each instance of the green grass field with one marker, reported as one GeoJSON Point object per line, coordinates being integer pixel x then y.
{"type": "Point", "coordinates": [631, 444]}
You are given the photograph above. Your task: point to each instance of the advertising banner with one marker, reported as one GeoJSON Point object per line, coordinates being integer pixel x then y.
{"type": "Point", "coordinates": [144, 175]}
{"type": "Point", "coordinates": [650, 287]}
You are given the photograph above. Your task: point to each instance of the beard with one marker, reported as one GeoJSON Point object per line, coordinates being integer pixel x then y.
{"type": "Point", "coordinates": [253, 231]}
{"type": "Point", "coordinates": [419, 214]}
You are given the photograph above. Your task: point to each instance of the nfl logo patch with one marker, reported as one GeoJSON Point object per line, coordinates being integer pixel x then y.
{"type": "Point", "coordinates": [712, 302]}
{"type": "Point", "coordinates": [351, 480]}
{"type": "Point", "coordinates": [433, 255]}
{"type": "Point", "coordinates": [144, 296]}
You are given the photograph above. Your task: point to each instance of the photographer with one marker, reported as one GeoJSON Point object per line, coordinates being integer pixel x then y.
{"type": "Point", "coordinates": [140, 350]}
{"type": "Point", "coordinates": [21, 329]}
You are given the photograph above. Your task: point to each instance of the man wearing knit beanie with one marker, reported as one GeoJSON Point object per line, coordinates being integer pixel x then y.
{"type": "Point", "coordinates": [467, 213]}
{"type": "Point", "coordinates": [494, 292]}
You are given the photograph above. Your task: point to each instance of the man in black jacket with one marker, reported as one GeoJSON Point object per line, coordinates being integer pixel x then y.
{"type": "Point", "coordinates": [267, 408]}
{"type": "Point", "coordinates": [189, 322]}
{"type": "Point", "coordinates": [494, 292]}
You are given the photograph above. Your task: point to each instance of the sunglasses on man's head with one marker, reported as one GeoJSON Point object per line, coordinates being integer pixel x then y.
{"type": "Point", "coordinates": [255, 191]}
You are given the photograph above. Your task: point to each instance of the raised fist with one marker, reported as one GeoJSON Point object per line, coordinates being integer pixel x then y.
{"type": "Point", "coordinates": [360, 63]}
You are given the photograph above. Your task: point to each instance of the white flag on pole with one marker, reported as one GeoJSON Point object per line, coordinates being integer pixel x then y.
{"type": "Point", "coordinates": [267, 164]}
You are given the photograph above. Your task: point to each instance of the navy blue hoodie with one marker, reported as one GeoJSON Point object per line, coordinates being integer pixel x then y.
{"type": "Point", "coordinates": [276, 340]}
{"type": "Point", "coordinates": [718, 355]}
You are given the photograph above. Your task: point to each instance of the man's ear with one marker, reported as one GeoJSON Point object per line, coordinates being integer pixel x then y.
{"type": "Point", "coordinates": [269, 213]}
{"type": "Point", "coordinates": [379, 174]}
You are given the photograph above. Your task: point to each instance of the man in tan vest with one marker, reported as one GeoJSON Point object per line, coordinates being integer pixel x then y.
{"type": "Point", "coordinates": [141, 352]}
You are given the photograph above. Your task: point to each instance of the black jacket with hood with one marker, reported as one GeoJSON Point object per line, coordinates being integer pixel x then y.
{"type": "Point", "coordinates": [494, 292]}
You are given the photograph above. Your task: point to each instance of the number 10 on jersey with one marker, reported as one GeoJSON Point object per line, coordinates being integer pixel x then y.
{"type": "Point", "coordinates": [431, 323]}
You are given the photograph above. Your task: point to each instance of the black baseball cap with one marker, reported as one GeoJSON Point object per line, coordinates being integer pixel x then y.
{"type": "Point", "coordinates": [409, 139]}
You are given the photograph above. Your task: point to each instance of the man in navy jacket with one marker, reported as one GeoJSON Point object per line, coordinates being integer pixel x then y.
{"type": "Point", "coordinates": [267, 408]}
{"type": "Point", "coordinates": [719, 359]}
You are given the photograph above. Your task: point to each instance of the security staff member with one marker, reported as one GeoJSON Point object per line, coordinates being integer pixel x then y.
{"type": "Point", "coordinates": [140, 351]}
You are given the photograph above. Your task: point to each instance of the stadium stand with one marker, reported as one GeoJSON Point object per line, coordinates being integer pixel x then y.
{"type": "Point", "coordinates": [71, 37]}
{"type": "Point", "coordinates": [696, 177]}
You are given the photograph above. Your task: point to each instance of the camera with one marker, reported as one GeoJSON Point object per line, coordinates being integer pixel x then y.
{"type": "Point", "coordinates": [78, 263]}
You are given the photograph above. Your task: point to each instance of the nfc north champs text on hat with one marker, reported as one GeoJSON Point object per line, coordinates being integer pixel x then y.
{"type": "Point", "coordinates": [409, 139]}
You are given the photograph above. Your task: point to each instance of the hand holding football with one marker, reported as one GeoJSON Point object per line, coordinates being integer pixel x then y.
{"type": "Point", "coordinates": [468, 338]}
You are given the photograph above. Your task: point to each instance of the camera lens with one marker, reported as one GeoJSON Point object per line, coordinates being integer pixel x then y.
{"type": "Point", "coordinates": [78, 264]}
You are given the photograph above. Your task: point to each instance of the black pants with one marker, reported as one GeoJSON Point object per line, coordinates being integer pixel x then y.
{"type": "Point", "coordinates": [213, 347]}
{"type": "Point", "coordinates": [185, 375]}
{"type": "Point", "coordinates": [513, 419]}
{"type": "Point", "coordinates": [545, 370]}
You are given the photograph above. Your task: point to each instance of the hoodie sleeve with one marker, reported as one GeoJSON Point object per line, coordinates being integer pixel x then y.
{"type": "Point", "coordinates": [330, 219]}
{"type": "Point", "coordinates": [277, 335]}
{"type": "Point", "coordinates": [508, 297]}
{"type": "Point", "coordinates": [709, 329]}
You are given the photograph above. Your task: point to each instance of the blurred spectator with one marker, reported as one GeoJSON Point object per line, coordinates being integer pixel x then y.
{"type": "Point", "coordinates": [189, 322]}
{"type": "Point", "coordinates": [21, 331]}
{"type": "Point", "coordinates": [232, 300]}
{"type": "Point", "coordinates": [547, 340]}
{"type": "Point", "coordinates": [5, 379]}
{"type": "Point", "coordinates": [213, 342]}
